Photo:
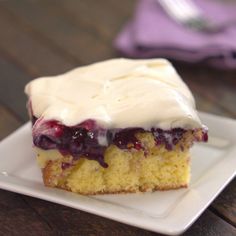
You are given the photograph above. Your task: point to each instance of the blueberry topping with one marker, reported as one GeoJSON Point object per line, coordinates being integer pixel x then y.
{"type": "Point", "coordinates": [85, 139]}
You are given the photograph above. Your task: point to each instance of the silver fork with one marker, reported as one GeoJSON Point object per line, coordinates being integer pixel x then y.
{"type": "Point", "coordinates": [187, 13]}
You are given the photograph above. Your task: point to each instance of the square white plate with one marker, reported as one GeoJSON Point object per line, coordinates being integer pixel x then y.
{"type": "Point", "coordinates": [168, 212]}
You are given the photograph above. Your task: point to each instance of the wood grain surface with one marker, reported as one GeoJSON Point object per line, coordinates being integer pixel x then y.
{"type": "Point", "coordinates": [45, 37]}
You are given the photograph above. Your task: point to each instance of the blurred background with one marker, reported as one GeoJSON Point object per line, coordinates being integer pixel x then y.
{"type": "Point", "coordinates": [46, 37]}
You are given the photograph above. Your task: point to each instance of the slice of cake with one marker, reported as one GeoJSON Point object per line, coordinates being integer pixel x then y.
{"type": "Point", "coordinates": [115, 126]}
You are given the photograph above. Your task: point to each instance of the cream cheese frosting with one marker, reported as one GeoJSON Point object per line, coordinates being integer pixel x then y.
{"type": "Point", "coordinates": [117, 93]}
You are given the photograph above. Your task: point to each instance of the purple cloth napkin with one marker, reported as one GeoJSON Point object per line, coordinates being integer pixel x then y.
{"type": "Point", "coordinates": [152, 33]}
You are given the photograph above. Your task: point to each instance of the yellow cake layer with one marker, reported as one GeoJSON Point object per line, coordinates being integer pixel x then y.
{"type": "Point", "coordinates": [128, 170]}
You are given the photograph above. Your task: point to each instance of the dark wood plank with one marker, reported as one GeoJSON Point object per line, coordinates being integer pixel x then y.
{"type": "Point", "coordinates": [27, 50]}
{"type": "Point", "coordinates": [109, 16]}
{"type": "Point", "coordinates": [211, 225]}
{"type": "Point", "coordinates": [231, 80]}
{"type": "Point", "coordinates": [125, 8]}
{"type": "Point", "coordinates": [12, 84]}
{"type": "Point", "coordinates": [216, 92]}
{"type": "Point", "coordinates": [209, 98]}
{"type": "Point", "coordinates": [77, 42]}
{"type": "Point", "coordinates": [225, 204]}
{"type": "Point", "coordinates": [8, 122]}
{"type": "Point", "coordinates": [17, 218]}
{"type": "Point", "coordinates": [211, 85]}
{"type": "Point", "coordinates": [81, 14]}
{"type": "Point", "coordinates": [203, 104]}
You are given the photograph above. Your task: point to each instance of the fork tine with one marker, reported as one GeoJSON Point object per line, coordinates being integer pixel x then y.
{"type": "Point", "coordinates": [191, 8]}
{"type": "Point", "coordinates": [186, 13]}
{"type": "Point", "coordinates": [183, 9]}
{"type": "Point", "coordinates": [173, 9]}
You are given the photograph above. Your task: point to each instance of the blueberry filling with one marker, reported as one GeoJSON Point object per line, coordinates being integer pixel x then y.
{"type": "Point", "coordinates": [125, 138]}
{"type": "Point", "coordinates": [89, 140]}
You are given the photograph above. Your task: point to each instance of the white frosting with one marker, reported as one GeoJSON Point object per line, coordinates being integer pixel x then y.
{"type": "Point", "coordinates": [117, 93]}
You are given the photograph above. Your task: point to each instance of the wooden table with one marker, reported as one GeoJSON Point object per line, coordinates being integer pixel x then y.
{"type": "Point", "coordinates": [41, 38]}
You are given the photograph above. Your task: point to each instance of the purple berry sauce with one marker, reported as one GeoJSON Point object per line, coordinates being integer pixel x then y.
{"type": "Point", "coordinates": [83, 139]}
